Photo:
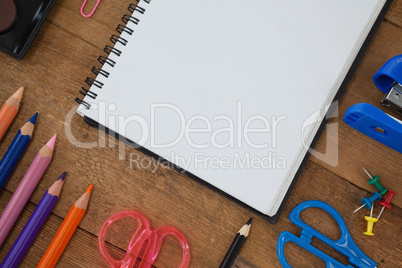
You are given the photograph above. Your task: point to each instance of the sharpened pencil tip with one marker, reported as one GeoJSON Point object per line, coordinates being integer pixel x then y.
{"type": "Point", "coordinates": [63, 176]}
{"type": "Point", "coordinates": [33, 118]}
{"type": "Point", "coordinates": [18, 94]}
{"type": "Point", "coordinates": [245, 229]}
{"type": "Point", "coordinates": [89, 190]}
{"type": "Point", "coordinates": [51, 142]}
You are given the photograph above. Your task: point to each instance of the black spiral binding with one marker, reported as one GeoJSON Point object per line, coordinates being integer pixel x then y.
{"type": "Point", "coordinates": [109, 49]}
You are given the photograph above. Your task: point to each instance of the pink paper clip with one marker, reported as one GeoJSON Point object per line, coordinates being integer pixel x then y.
{"type": "Point", "coordinates": [93, 10]}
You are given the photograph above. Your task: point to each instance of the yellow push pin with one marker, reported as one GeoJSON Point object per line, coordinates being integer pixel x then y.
{"type": "Point", "coordinates": [370, 225]}
{"type": "Point", "coordinates": [370, 222]}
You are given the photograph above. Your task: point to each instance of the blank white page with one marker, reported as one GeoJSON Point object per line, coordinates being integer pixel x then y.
{"type": "Point", "coordinates": [235, 64]}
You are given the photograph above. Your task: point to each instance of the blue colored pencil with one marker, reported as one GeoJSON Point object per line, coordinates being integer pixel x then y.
{"type": "Point", "coordinates": [33, 225]}
{"type": "Point", "coordinates": [16, 149]}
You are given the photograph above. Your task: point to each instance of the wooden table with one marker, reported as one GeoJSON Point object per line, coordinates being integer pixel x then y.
{"type": "Point", "coordinates": [53, 71]}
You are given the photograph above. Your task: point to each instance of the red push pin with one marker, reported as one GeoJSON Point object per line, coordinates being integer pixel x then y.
{"type": "Point", "coordinates": [387, 202]}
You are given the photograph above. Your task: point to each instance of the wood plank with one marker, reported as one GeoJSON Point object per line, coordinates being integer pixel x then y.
{"type": "Point", "coordinates": [355, 150]}
{"type": "Point", "coordinates": [394, 14]}
{"type": "Point", "coordinates": [315, 183]}
{"type": "Point", "coordinates": [209, 243]}
{"type": "Point", "coordinates": [55, 68]}
{"type": "Point", "coordinates": [95, 30]}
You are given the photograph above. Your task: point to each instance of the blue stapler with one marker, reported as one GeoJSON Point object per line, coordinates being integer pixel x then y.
{"type": "Point", "coordinates": [373, 122]}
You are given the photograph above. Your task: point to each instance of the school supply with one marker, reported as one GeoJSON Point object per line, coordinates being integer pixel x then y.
{"type": "Point", "coordinates": [93, 10]}
{"type": "Point", "coordinates": [388, 79]}
{"type": "Point", "coordinates": [65, 231]}
{"type": "Point", "coordinates": [9, 111]}
{"type": "Point", "coordinates": [143, 236]}
{"type": "Point", "coordinates": [17, 147]}
{"type": "Point", "coordinates": [375, 181]}
{"type": "Point", "coordinates": [22, 23]}
{"type": "Point", "coordinates": [386, 203]}
{"type": "Point", "coordinates": [376, 124]}
{"type": "Point", "coordinates": [236, 245]}
{"type": "Point", "coordinates": [231, 95]}
{"type": "Point", "coordinates": [370, 222]}
{"type": "Point", "coordinates": [344, 244]}
{"type": "Point", "coordinates": [25, 188]}
{"type": "Point", "coordinates": [368, 202]}
{"type": "Point", "coordinates": [32, 227]}
{"type": "Point", "coordinates": [373, 122]}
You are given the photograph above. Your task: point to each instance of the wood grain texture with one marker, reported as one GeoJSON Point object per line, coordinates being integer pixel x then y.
{"type": "Point", "coordinates": [53, 71]}
{"type": "Point", "coordinates": [394, 14]}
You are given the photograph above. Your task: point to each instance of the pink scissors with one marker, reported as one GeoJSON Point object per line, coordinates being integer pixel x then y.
{"type": "Point", "coordinates": [142, 234]}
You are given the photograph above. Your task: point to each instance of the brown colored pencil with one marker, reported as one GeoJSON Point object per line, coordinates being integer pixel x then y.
{"type": "Point", "coordinates": [9, 111]}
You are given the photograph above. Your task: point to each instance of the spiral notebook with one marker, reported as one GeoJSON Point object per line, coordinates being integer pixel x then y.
{"type": "Point", "coordinates": [231, 93]}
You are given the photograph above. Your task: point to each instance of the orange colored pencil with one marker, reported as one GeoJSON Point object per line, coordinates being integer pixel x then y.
{"type": "Point", "coordinates": [65, 231]}
{"type": "Point", "coordinates": [9, 111]}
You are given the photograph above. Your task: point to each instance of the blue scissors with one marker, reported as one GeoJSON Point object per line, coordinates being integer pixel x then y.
{"type": "Point", "coordinates": [344, 245]}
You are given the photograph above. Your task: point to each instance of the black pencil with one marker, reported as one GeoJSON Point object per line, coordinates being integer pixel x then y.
{"type": "Point", "coordinates": [236, 245]}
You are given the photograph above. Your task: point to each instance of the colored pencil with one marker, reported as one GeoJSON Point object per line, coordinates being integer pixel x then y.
{"type": "Point", "coordinates": [65, 231]}
{"type": "Point", "coordinates": [236, 245]}
{"type": "Point", "coordinates": [16, 149]}
{"type": "Point", "coordinates": [25, 188]}
{"type": "Point", "coordinates": [9, 111]}
{"type": "Point", "coordinates": [33, 225]}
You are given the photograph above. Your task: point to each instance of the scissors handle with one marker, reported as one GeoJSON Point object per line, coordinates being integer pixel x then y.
{"type": "Point", "coordinates": [344, 245]}
{"type": "Point", "coordinates": [140, 236]}
{"type": "Point", "coordinates": [285, 237]}
{"type": "Point", "coordinates": [155, 243]}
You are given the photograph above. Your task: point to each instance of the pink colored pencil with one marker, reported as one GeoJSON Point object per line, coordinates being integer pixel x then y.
{"type": "Point", "coordinates": [25, 189]}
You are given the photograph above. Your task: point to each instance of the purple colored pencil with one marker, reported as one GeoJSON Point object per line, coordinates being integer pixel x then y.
{"type": "Point", "coordinates": [33, 225]}
{"type": "Point", "coordinates": [25, 188]}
